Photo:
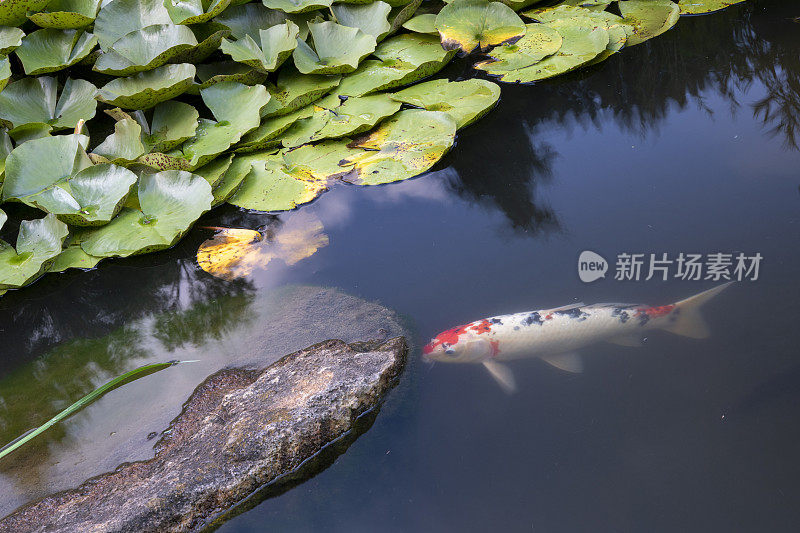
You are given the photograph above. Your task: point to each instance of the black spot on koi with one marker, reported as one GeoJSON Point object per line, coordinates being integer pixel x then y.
{"type": "Point", "coordinates": [533, 318]}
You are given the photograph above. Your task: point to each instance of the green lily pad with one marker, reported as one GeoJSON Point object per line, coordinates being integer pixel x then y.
{"type": "Point", "coordinates": [124, 145]}
{"type": "Point", "coordinates": [169, 201]}
{"type": "Point", "coordinates": [214, 171]}
{"type": "Point", "coordinates": [146, 89]}
{"type": "Point", "coordinates": [38, 164]}
{"type": "Point", "coordinates": [14, 13]}
{"type": "Point", "coordinates": [212, 73]}
{"type": "Point", "coordinates": [268, 132]}
{"type": "Point", "coordinates": [276, 45]}
{"type": "Point", "coordinates": [172, 123]}
{"type": "Point", "coordinates": [235, 106]}
{"type": "Point", "coordinates": [49, 50]}
{"type": "Point", "coordinates": [469, 24]}
{"type": "Point", "coordinates": [465, 101]}
{"type": "Point", "coordinates": [402, 59]}
{"type": "Point", "coordinates": [30, 131]}
{"type": "Point", "coordinates": [297, 6]}
{"type": "Point", "coordinates": [194, 11]}
{"type": "Point", "coordinates": [584, 40]}
{"type": "Point", "coordinates": [5, 149]}
{"type": "Point", "coordinates": [701, 7]}
{"type": "Point", "coordinates": [337, 49]}
{"type": "Point", "coordinates": [250, 19]}
{"type": "Point", "coordinates": [145, 49]}
{"type": "Point", "coordinates": [294, 90]}
{"type": "Point", "coordinates": [649, 18]}
{"type": "Point", "coordinates": [38, 242]}
{"type": "Point", "coordinates": [10, 38]}
{"type": "Point", "coordinates": [235, 173]}
{"type": "Point", "coordinates": [5, 72]}
{"type": "Point", "coordinates": [333, 118]}
{"type": "Point", "coordinates": [66, 14]}
{"type": "Point", "coordinates": [402, 147]}
{"type": "Point", "coordinates": [272, 186]}
{"type": "Point", "coordinates": [540, 41]}
{"type": "Point", "coordinates": [118, 18]}
{"type": "Point", "coordinates": [371, 18]}
{"type": "Point", "coordinates": [73, 256]}
{"type": "Point", "coordinates": [33, 100]}
{"type": "Point", "coordinates": [425, 23]}
{"type": "Point", "coordinates": [3, 218]}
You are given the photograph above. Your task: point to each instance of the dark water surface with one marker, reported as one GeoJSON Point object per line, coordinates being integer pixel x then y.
{"type": "Point", "coordinates": [687, 143]}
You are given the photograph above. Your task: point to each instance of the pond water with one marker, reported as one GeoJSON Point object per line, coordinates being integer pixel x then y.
{"type": "Point", "coordinates": [688, 143]}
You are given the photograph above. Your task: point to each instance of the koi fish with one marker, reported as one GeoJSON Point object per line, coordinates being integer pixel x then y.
{"type": "Point", "coordinates": [554, 335]}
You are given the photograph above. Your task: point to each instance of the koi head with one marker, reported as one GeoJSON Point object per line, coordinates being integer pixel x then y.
{"type": "Point", "coordinates": [458, 345]}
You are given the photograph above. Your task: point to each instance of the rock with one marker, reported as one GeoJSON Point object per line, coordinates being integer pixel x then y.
{"type": "Point", "coordinates": [240, 430]}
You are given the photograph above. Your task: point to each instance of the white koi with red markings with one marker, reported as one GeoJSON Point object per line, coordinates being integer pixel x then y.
{"type": "Point", "coordinates": [554, 335]}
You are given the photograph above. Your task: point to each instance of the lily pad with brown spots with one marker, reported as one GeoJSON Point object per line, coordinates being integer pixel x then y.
{"type": "Point", "coordinates": [467, 25]}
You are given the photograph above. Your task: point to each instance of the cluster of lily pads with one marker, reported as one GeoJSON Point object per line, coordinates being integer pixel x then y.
{"type": "Point", "coordinates": [263, 105]}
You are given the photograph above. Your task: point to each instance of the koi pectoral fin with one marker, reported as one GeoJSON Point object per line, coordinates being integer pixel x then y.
{"type": "Point", "coordinates": [502, 374]}
{"type": "Point", "coordinates": [626, 340]}
{"type": "Point", "coordinates": [569, 361]}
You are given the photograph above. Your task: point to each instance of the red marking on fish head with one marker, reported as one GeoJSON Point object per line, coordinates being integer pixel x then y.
{"type": "Point", "coordinates": [448, 337]}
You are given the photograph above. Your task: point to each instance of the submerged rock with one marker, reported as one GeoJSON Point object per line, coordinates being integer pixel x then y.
{"type": "Point", "coordinates": [240, 430]}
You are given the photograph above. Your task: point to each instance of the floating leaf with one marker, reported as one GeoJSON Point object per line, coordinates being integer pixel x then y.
{"type": "Point", "coordinates": [402, 147]}
{"type": "Point", "coordinates": [297, 6]}
{"type": "Point", "coordinates": [236, 252]}
{"type": "Point", "coordinates": [271, 186]}
{"type": "Point", "coordinates": [700, 7]}
{"type": "Point", "coordinates": [3, 218]}
{"type": "Point", "coordinates": [540, 41]}
{"type": "Point", "coordinates": [5, 149]}
{"type": "Point", "coordinates": [465, 101]}
{"type": "Point", "coordinates": [422, 24]}
{"type": "Point", "coordinates": [13, 12]}
{"type": "Point", "coordinates": [5, 72]}
{"type": "Point", "coordinates": [145, 49]}
{"type": "Point", "coordinates": [402, 59]}
{"type": "Point", "coordinates": [146, 89]}
{"type": "Point", "coordinates": [49, 50]}
{"type": "Point", "coordinates": [235, 106]}
{"type": "Point", "coordinates": [169, 201]}
{"type": "Point", "coordinates": [124, 145]}
{"type": "Point", "coordinates": [73, 256]}
{"type": "Point", "coordinates": [469, 24]}
{"type": "Point", "coordinates": [172, 123]}
{"type": "Point", "coordinates": [294, 90]}
{"type": "Point", "coordinates": [239, 167]}
{"type": "Point", "coordinates": [209, 38]}
{"type": "Point", "coordinates": [372, 18]}
{"type": "Point", "coordinates": [251, 18]}
{"type": "Point", "coordinates": [66, 14]}
{"type": "Point", "coordinates": [38, 242]}
{"type": "Point", "coordinates": [276, 45]}
{"type": "Point", "coordinates": [10, 38]}
{"type": "Point", "coordinates": [194, 11]}
{"type": "Point", "coordinates": [267, 133]}
{"type": "Point", "coordinates": [337, 49]}
{"type": "Point", "coordinates": [649, 18]}
{"type": "Point", "coordinates": [212, 73]}
{"type": "Point", "coordinates": [584, 40]}
{"type": "Point", "coordinates": [118, 18]}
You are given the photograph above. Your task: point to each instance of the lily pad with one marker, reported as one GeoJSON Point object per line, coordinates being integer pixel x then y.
{"type": "Point", "coordinates": [212, 73]}
{"type": "Point", "coordinates": [276, 45]}
{"type": "Point", "coordinates": [5, 149]}
{"type": "Point", "coordinates": [38, 242]}
{"type": "Point", "coordinates": [701, 7]}
{"type": "Point", "coordinates": [465, 101]}
{"type": "Point", "coordinates": [124, 145]}
{"type": "Point", "coordinates": [250, 19]}
{"type": "Point", "coordinates": [540, 41]}
{"type": "Point", "coordinates": [371, 18]}
{"type": "Point", "coordinates": [294, 90]}
{"type": "Point", "coordinates": [194, 11]}
{"type": "Point", "coordinates": [172, 123]}
{"type": "Point", "coordinates": [337, 49]}
{"type": "Point", "coordinates": [10, 38]}
{"type": "Point", "coordinates": [66, 14]}
{"type": "Point", "coordinates": [49, 50]}
{"type": "Point", "coordinates": [402, 59]}
{"type": "Point", "coordinates": [402, 147]}
{"type": "Point", "coordinates": [13, 12]}
{"type": "Point", "coordinates": [33, 100]}
{"type": "Point", "coordinates": [5, 72]}
{"type": "Point", "coordinates": [584, 40]}
{"type": "Point", "coordinates": [469, 24]}
{"type": "Point", "coordinates": [145, 49]}
{"type": "Point", "coordinates": [425, 23]}
{"type": "Point", "coordinates": [146, 89]}
{"type": "Point", "coordinates": [235, 106]}
{"type": "Point", "coordinates": [649, 18]}
{"type": "Point", "coordinates": [118, 18]}
{"type": "Point", "coordinates": [169, 201]}
{"type": "Point", "coordinates": [235, 173]}
{"type": "Point", "coordinates": [3, 218]}
{"type": "Point", "coordinates": [271, 186]}
{"type": "Point", "coordinates": [297, 6]}
{"type": "Point", "coordinates": [73, 256]}
{"type": "Point", "coordinates": [268, 132]}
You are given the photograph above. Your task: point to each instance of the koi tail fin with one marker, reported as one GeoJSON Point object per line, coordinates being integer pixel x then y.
{"type": "Point", "coordinates": [689, 322]}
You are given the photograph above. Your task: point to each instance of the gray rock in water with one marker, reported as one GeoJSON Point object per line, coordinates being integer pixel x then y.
{"type": "Point", "coordinates": [240, 430]}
